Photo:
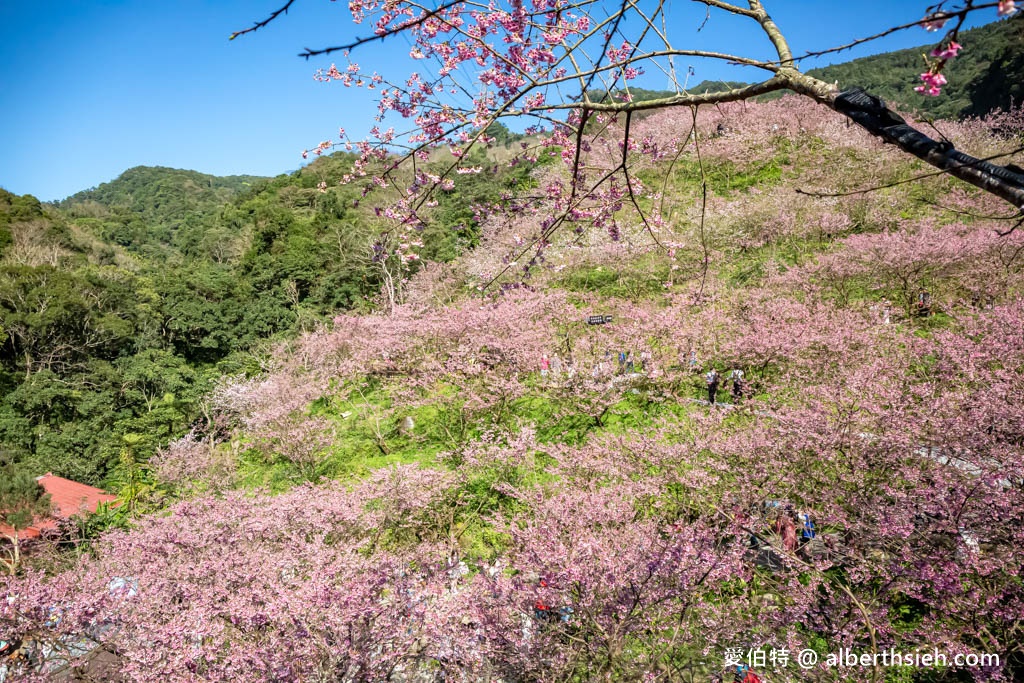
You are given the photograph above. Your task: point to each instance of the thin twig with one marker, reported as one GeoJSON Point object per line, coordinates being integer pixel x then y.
{"type": "Point", "coordinates": [897, 183]}
{"type": "Point", "coordinates": [705, 258]}
{"type": "Point", "coordinates": [260, 24]}
{"type": "Point", "coordinates": [939, 16]}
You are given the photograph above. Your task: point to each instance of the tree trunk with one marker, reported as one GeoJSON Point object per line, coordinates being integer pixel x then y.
{"type": "Point", "coordinates": [873, 115]}
{"type": "Point", "coordinates": [12, 568]}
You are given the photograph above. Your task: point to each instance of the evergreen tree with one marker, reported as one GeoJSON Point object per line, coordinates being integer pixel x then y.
{"type": "Point", "coordinates": [22, 500]}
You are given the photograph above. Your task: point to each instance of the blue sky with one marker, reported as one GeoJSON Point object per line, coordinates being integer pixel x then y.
{"type": "Point", "coordinates": [89, 88]}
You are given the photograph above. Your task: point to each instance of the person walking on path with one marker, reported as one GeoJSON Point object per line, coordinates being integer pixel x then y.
{"type": "Point", "coordinates": [645, 361]}
{"type": "Point", "coordinates": [712, 379]}
{"type": "Point", "coordinates": [737, 384]}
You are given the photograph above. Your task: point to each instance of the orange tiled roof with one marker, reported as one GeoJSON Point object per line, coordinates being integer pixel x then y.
{"type": "Point", "coordinates": [69, 498]}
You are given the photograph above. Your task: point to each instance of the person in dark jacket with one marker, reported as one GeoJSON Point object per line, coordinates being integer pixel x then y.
{"type": "Point", "coordinates": [712, 379]}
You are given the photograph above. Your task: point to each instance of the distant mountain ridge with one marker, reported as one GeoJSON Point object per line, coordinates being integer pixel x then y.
{"type": "Point", "coordinates": [988, 75]}
{"type": "Point", "coordinates": [158, 191]}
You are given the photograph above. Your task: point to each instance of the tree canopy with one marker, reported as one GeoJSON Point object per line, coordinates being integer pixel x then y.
{"type": "Point", "coordinates": [543, 61]}
{"type": "Point", "coordinates": [466, 476]}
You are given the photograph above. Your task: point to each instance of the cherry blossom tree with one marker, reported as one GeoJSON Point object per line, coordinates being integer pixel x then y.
{"type": "Point", "coordinates": [624, 556]}
{"type": "Point", "coordinates": [567, 67]}
{"type": "Point", "coordinates": [523, 552]}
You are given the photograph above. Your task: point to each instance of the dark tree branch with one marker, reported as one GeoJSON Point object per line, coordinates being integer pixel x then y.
{"type": "Point", "coordinates": [1004, 233]}
{"type": "Point", "coordinates": [260, 24]}
{"type": "Point", "coordinates": [607, 43]}
{"type": "Point", "coordinates": [629, 183]}
{"type": "Point", "coordinates": [939, 16]}
{"type": "Point", "coordinates": [706, 257]}
{"type": "Point", "coordinates": [872, 114]}
{"type": "Point", "coordinates": [383, 35]}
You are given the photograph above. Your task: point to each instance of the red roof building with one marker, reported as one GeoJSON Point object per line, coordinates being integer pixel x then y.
{"type": "Point", "coordinates": [69, 498]}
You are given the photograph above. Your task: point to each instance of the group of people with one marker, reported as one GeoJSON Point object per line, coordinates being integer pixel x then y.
{"type": "Point", "coordinates": [741, 674]}
{"type": "Point", "coordinates": [744, 674]}
{"type": "Point", "coordinates": [712, 379]}
{"type": "Point", "coordinates": [627, 364]}
{"type": "Point", "coordinates": [795, 530]}
{"type": "Point", "coordinates": [786, 527]}
{"type": "Point", "coordinates": [547, 614]}
{"type": "Point", "coordinates": [921, 308]}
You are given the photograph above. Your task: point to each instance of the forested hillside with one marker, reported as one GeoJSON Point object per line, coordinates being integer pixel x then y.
{"type": "Point", "coordinates": [164, 194]}
{"type": "Point", "coordinates": [121, 307]}
{"type": "Point", "coordinates": [149, 208]}
{"type": "Point", "coordinates": [987, 75]}
{"type": "Point", "coordinates": [539, 482]}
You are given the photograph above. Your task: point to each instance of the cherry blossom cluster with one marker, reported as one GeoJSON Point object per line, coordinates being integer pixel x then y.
{"type": "Point", "coordinates": [932, 79]}
{"type": "Point", "coordinates": [630, 550]}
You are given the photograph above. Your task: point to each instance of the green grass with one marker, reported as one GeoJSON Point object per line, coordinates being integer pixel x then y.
{"type": "Point", "coordinates": [638, 279]}
{"type": "Point", "coordinates": [725, 177]}
{"type": "Point", "coordinates": [367, 436]}
{"type": "Point", "coordinates": [746, 268]}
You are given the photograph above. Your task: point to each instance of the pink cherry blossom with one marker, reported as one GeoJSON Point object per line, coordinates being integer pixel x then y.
{"type": "Point", "coordinates": [933, 82]}
{"type": "Point", "coordinates": [949, 52]}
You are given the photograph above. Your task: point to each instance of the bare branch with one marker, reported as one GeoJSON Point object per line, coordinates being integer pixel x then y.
{"type": "Point", "coordinates": [383, 35]}
{"type": "Point", "coordinates": [728, 7]}
{"type": "Point", "coordinates": [940, 16]}
{"type": "Point", "coordinates": [629, 183]}
{"type": "Point", "coordinates": [905, 181]}
{"type": "Point", "coordinates": [260, 24]}
{"type": "Point", "coordinates": [705, 257]}
{"type": "Point", "coordinates": [685, 99]}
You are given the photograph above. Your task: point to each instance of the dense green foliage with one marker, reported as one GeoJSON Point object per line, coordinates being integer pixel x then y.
{"type": "Point", "coordinates": [988, 74]}
{"type": "Point", "coordinates": [22, 498]}
{"type": "Point", "coordinates": [121, 306]}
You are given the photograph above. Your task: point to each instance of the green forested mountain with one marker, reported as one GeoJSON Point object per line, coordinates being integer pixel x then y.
{"type": "Point", "coordinates": [988, 74]}
{"type": "Point", "coordinates": [150, 208]}
{"type": "Point", "coordinates": [121, 306]}
{"type": "Point", "coordinates": [161, 193]}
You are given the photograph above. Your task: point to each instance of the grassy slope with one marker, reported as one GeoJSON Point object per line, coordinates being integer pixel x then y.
{"type": "Point", "coordinates": [746, 195]}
